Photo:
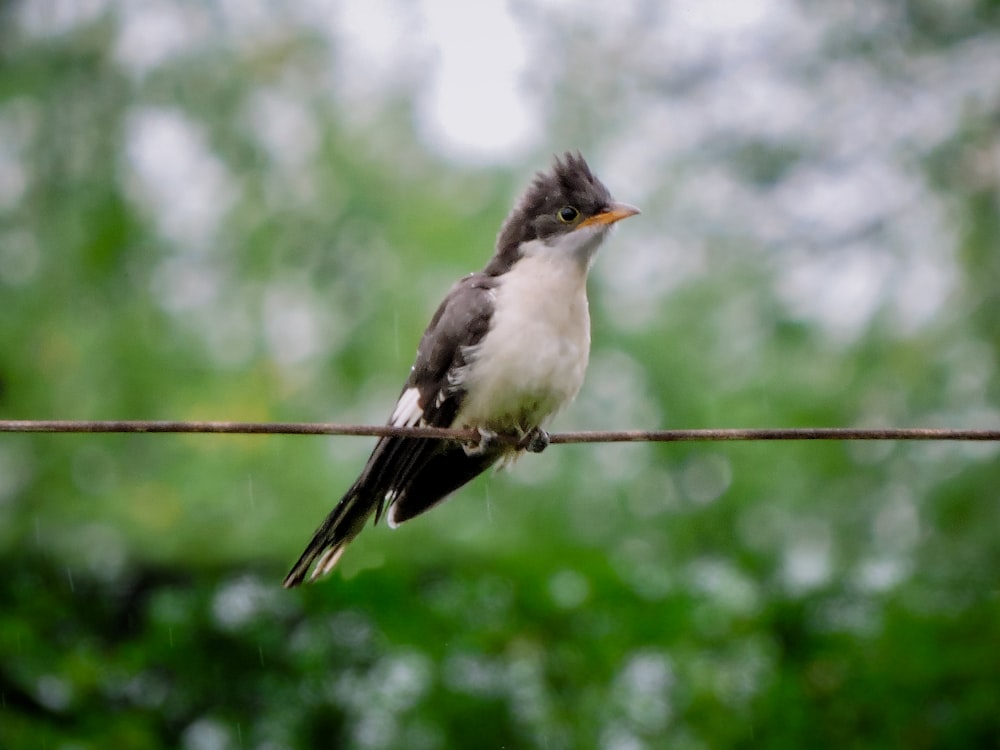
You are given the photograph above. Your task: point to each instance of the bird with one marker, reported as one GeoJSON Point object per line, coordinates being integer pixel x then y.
{"type": "Point", "coordinates": [504, 352]}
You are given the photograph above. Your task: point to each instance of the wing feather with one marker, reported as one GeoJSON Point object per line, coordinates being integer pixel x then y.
{"type": "Point", "coordinates": [413, 474]}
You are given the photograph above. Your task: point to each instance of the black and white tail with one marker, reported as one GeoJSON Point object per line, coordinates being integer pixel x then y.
{"type": "Point", "coordinates": [332, 537]}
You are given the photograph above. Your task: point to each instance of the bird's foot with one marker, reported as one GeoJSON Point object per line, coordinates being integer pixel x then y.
{"type": "Point", "coordinates": [534, 441]}
{"type": "Point", "coordinates": [488, 442]}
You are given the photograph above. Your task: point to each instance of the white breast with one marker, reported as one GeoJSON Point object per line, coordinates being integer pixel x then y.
{"type": "Point", "coordinates": [532, 361]}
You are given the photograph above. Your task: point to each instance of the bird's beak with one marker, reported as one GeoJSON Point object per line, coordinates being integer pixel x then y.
{"type": "Point", "coordinates": [616, 212]}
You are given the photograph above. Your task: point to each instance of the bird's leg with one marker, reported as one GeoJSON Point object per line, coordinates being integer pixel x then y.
{"type": "Point", "coordinates": [488, 442]}
{"type": "Point", "coordinates": [534, 441]}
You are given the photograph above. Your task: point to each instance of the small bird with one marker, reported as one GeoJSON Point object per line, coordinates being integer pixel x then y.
{"type": "Point", "coordinates": [506, 349]}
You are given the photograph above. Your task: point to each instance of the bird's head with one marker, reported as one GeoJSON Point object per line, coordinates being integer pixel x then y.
{"type": "Point", "coordinates": [566, 210]}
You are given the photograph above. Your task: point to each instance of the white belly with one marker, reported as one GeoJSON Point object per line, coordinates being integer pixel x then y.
{"type": "Point", "coordinates": [532, 361]}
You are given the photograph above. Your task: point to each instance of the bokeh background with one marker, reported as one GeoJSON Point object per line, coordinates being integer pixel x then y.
{"type": "Point", "coordinates": [248, 210]}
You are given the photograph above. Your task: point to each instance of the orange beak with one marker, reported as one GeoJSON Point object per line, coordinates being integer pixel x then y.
{"type": "Point", "coordinates": [616, 212]}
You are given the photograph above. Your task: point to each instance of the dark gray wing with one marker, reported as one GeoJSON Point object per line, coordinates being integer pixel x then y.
{"type": "Point", "coordinates": [414, 474]}
{"type": "Point", "coordinates": [409, 472]}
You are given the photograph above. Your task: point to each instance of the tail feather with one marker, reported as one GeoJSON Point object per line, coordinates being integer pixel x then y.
{"type": "Point", "coordinates": [366, 496]}
{"type": "Point", "coordinates": [327, 561]}
{"type": "Point", "coordinates": [332, 537]}
{"type": "Point", "coordinates": [410, 476]}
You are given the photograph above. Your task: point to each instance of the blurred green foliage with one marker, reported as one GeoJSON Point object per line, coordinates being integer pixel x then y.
{"type": "Point", "coordinates": [683, 596]}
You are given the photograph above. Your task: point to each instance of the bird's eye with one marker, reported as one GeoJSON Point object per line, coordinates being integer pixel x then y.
{"type": "Point", "coordinates": [568, 214]}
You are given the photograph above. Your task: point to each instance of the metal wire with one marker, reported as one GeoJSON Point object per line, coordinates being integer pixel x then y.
{"type": "Point", "coordinates": [613, 436]}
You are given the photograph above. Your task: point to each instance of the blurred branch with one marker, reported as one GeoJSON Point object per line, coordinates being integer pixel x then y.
{"type": "Point", "coordinates": [614, 436]}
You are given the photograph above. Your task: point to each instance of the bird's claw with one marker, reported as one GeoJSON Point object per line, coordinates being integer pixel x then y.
{"type": "Point", "coordinates": [487, 442]}
{"type": "Point", "coordinates": [534, 441]}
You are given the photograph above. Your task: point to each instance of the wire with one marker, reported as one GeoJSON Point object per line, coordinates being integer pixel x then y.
{"type": "Point", "coordinates": [614, 436]}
